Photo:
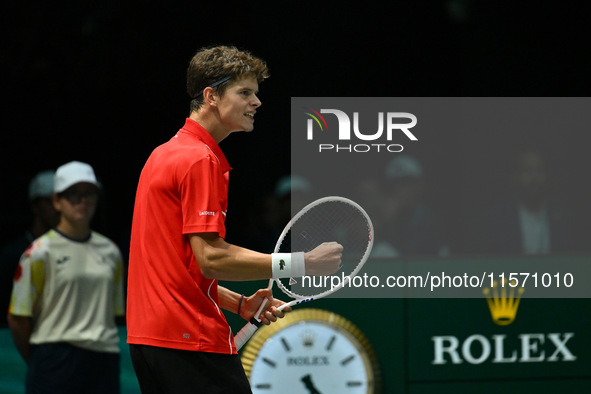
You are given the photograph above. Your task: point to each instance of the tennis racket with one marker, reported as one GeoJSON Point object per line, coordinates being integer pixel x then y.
{"type": "Point", "coordinates": [329, 219]}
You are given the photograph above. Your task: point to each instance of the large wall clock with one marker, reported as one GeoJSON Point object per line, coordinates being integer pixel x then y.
{"type": "Point", "coordinates": [311, 351]}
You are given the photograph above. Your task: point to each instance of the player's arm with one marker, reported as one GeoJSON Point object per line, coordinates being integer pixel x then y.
{"type": "Point", "coordinates": [218, 259]}
{"type": "Point", "coordinates": [248, 306]}
{"type": "Point", "coordinates": [21, 328]}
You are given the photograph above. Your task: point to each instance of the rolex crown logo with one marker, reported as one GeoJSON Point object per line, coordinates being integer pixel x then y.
{"type": "Point", "coordinates": [308, 338]}
{"type": "Point", "coordinates": [503, 305]}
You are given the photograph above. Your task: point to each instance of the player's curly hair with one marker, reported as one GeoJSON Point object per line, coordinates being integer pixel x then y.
{"type": "Point", "coordinates": [214, 64]}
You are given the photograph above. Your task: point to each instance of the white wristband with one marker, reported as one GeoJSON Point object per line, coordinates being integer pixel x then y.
{"type": "Point", "coordinates": [288, 265]}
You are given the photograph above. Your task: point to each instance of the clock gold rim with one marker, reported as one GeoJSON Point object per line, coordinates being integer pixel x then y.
{"type": "Point", "coordinates": [252, 348]}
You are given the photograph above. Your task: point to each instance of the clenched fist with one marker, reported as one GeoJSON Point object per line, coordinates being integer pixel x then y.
{"type": "Point", "coordinates": [325, 259]}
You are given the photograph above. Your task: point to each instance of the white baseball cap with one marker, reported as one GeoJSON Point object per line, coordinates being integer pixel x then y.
{"type": "Point", "coordinates": [72, 173]}
{"type": "Point", "coordinates": [41, 185]}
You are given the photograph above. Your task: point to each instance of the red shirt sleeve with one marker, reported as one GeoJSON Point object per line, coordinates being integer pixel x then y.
{"type": "Point", "coordinates": [204, 196]}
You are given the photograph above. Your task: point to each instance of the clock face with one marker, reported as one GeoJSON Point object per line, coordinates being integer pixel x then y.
{"type": "Point", "coordinates": [310, 354]}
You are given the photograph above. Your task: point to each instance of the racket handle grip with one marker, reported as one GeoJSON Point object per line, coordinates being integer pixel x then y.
{"type": "Point", "coordinates": [246, 332]}
{"type": "Point", "coordinates": [250, 328]}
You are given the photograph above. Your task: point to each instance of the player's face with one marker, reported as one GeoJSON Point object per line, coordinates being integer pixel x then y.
{"type": "Point", "coordinates": [239, 104]}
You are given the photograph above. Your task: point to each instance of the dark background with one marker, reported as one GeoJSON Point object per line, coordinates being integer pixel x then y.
{"type": "Point", "coordinates": [104, 83]}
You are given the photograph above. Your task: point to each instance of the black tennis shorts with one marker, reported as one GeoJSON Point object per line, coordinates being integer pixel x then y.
{"type": "Point", "coordinates": [66, 369]}
{"type": "Point", "coordinates": [172, 371]}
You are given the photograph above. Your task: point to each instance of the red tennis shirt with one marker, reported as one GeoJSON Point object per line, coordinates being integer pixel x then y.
{"type": "Point", "coordinates": [183, 189]}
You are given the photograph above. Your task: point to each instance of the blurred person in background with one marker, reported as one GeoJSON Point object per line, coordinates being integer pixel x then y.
{"type": "Point", "coordinates": [67, 291]}
{"type": "Point", "coordinates": [290, 191]}
{"type": "Point", "coordinates": [44, 217]}
{"type": "Point", "coordinates": [528, 221]}
{"type": "Point", "coordinates": [407, 225]}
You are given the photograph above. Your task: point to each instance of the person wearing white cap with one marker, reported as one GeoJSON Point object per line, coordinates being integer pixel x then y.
{"type": "Point", "coordinates": [67, 291]}
{"type": "Point", "coordinates": [43, 217]}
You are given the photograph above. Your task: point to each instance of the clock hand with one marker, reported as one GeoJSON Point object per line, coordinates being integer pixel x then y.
{"type": "Point", "coordinates": [309, 385]}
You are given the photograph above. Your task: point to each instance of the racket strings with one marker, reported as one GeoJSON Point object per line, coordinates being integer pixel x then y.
{"type": "Point", "coordinates": [331, 221]}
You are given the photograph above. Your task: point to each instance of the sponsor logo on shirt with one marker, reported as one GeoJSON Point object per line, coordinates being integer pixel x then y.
{"type": "Point", "coordinates": [206, 213]}
{"type": "Point", "coordinates": [63, 259]}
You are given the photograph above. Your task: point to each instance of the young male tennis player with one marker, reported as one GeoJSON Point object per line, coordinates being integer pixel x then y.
{"type": "Point", "coordinates": [179, 339]}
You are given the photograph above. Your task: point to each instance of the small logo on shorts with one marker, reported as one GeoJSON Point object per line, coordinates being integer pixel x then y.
{"type": "Point", "coordinates": [186, 336]}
